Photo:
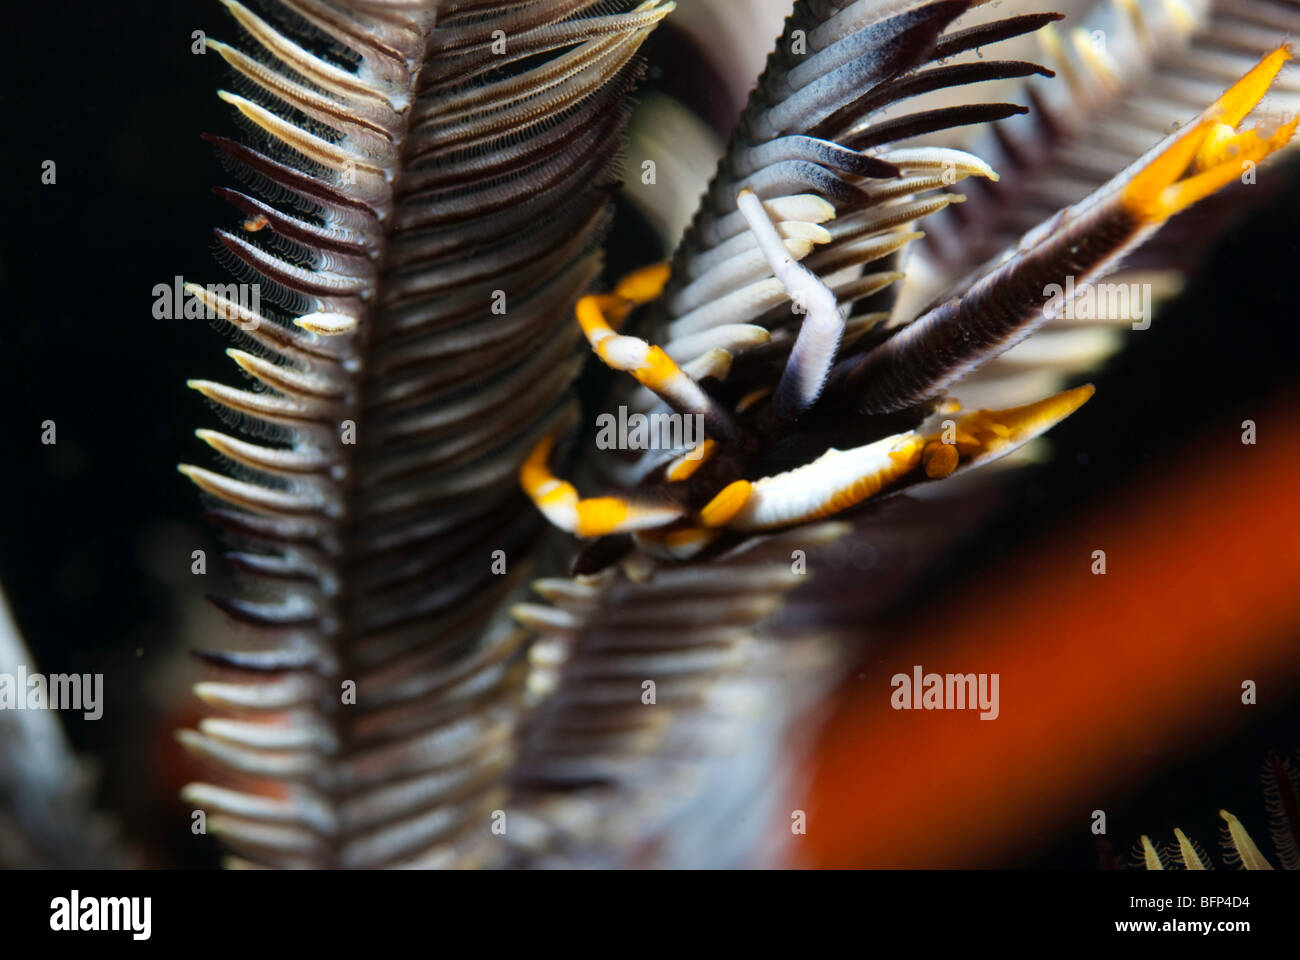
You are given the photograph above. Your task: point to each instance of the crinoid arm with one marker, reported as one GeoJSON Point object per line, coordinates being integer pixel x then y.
{"type": "Point", "coordinates": [428, 186]}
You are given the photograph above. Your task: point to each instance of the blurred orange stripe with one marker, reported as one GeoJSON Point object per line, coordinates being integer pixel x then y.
{"type": "Point", "coordinates": [1100, 675]}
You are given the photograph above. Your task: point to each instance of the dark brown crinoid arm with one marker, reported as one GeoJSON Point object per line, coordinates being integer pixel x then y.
{"type": "Point", "coordinates": [428, 188]}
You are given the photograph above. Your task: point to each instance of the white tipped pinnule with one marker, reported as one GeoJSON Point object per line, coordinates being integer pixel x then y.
{"type": "Point", "coordinates": [928, 159]}
{"type": "Point", "coordinates": [324, 74]}
{"type": "Point", "coordinates": [360, 175]}
{"type": "Point", "coordinates": [564, 590]}
{"type": "Point", "coordinates": [286, 764]}
{"type": "Point", "coordinates": [283, 377]}
{"type": "Point", "coordinates": [224, 308]}
{"type": "Point", "coordinates": [738, 307]}
{"type": "Point", "coordinates": [275, 460]}
{"type": "Point", "coordinates": [715, 363]}
{"type": "Point", "coordinates": [746, 266]}
{"type": "Point", "coordinates": [291, 691]}
{"type": "Point", "coordinates": [264, 405]}
{"type": "Point", "coordinates": [266, 736]}
{"type": "Point", "coordinates": [299, 805]}
{"type": "Point", "coordinates": [251, 496]}
{"type": "Point", "coordinates": [744, 242]}
{"type": "Point", "coordinates": [327, 324]}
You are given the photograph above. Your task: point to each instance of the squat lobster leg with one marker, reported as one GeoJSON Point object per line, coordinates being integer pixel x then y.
{"type": "Point", "coordinates": [591, 517]}
{"type": "Point", "coordinates": [649, 364]}
{"type": "Point", "coordinates": [840, 479]}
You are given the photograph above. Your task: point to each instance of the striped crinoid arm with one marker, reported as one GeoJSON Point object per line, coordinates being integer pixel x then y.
{"type": "Point", "coordinates": [820, 143]}
{"type": "Point", "coordinates": [1003, 303]}
{"type": "Point", "coordinates": [429, 184]}
{"type": "Point", "coordinates": [656, 688]}
{"type": "Point", "coordinates": [1281, 780]}
{"type": "Point", "coordinates": [807, 413]}
{"type": "Point", "coordinates": [1129, 72]}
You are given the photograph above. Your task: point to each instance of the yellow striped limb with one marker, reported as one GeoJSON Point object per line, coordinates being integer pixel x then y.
{"type": "Point", "coordinates": [685, 466]}
{"type": "Point", "coordinates": [649, 364]}
{"type": "Point", "coordinates": [719, 511]}
{"type": "Point", "coordinates": [840, 479]}
{"type": "Point", "coordinates": [685, 542]}
{"type": "Point", "coordinates": [591, 517]}
{"type": "Point", "coordinates": [600, 314]}
{"type": "Point", "coordinates": [835, 481]}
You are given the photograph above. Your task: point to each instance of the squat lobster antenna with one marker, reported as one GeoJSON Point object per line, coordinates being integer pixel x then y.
{"type": "Point", "coordinates": [823, 325]}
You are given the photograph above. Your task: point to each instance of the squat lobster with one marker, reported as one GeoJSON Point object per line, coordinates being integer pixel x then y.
{"type": "Point", "coordinates": [887, 403]}
{"type": "Point", "coordinates": [699, 493]}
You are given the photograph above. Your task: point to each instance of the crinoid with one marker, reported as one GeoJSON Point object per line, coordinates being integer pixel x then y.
{"type": "Point", "coordinates": [435, 181]}
{"type": "Point", "coordinates": [450, 181]}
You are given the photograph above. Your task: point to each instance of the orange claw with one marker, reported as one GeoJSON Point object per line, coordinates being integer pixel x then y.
{"type": "Point", "coordinates": [1242, 96]}
{"type": "Point", "coordinates": [1211, 148]}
